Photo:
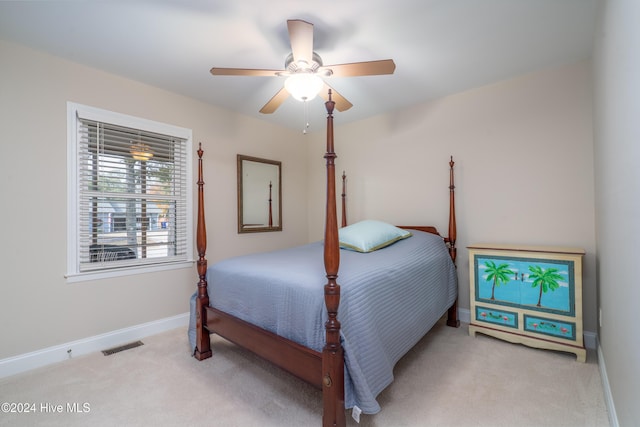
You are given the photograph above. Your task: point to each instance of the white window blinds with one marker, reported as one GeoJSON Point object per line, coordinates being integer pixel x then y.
{"type": "Point", "coordinates": [132, 196]}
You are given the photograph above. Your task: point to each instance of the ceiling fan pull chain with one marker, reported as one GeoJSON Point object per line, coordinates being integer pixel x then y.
{"type": "Point", "coordinates": [306, 115]}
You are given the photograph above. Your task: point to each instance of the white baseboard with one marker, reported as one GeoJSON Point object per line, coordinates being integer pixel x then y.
{"type": "Point", "coordinates": [590, 338]}
{"type": "Point", "coordinates": [36, 359]}
{"type": "Point", "coordinates": [608, 397]}
{"type": "Point", "coordinates": [464, 315]}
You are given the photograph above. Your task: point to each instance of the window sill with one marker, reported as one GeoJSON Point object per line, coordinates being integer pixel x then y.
{"type": "Point", "coordinates": [106, 274]}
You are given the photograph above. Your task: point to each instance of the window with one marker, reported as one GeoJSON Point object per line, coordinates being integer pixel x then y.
{"type": "Point", "coordinates": [130, 204]}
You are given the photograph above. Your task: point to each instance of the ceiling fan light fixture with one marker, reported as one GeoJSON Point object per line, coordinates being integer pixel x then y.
{"type": "Point", "coordinates": [303, 86]}
{"type": "Point", "coordinates": [141, 151]}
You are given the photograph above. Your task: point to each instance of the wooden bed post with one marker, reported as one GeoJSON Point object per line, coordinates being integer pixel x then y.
{"type": "Point", "coordinates": [270, 209]}
{"type": "Point", "coordinates": [452, 314]}
{"type": "Point", "coordinates": [344, 196]}
{"type": "Point", "coordinates": [452, 213]}
{"type": "Point", "coordinates": [203, 342]}
{"type": "Point", "coordinates": [332, 354]}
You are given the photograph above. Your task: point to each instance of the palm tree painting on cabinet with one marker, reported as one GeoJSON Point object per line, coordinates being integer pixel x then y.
{"type": "Point", "coordinates": [523, 282]}
{"type": "Point", "coordinates": [497, 274]}
{"type": "Point", "coordinates": [546, 280]}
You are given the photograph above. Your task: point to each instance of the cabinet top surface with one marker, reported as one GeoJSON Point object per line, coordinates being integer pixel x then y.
{"type": "Point", "coordinates": [527, 248]}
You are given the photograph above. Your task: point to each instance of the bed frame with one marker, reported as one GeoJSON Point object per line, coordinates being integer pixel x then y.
{"type": "Point", "coordinates": [325, 369]}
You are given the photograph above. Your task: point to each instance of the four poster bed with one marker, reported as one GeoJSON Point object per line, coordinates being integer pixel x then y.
{"type": "Point", "coordinates": [272, 303]}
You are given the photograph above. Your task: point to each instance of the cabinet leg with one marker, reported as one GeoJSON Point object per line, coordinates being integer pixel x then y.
{"type": "Point", "coordinates": [472, 331]}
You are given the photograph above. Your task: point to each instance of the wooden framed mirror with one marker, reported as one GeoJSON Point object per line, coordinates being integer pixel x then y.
{"type": "Point", "coordinates": [259, 195]}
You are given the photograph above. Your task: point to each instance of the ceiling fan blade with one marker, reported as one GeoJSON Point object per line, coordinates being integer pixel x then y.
{"type": "Point", "coordinates": [341, 102]}
{"type": "Point", "coordinates": [244, 72]}
{"type": "Point", "coordinates": [301, 38]}
{"type": "Point", "coordinates": [368, 68]}
{"type": "Point", "coordinates": [275, 102]}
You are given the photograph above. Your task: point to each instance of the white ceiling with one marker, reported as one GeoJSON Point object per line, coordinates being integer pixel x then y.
{"type": "Point", "coordinates": [440, 47]}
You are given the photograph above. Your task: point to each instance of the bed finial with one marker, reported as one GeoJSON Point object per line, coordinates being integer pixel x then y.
{"type": "Point", "coordinates": [330, 104]}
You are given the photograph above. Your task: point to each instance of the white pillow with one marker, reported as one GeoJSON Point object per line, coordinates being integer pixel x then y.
{"type": "Point", "coordinates": [370, 235]}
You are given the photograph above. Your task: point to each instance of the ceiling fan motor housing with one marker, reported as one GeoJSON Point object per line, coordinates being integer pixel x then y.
{"type": "Point", "coordinates": [302, 66]}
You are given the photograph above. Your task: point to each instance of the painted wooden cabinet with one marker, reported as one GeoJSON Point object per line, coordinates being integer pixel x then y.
{"type": "Point", "coordinates": [530, 295]}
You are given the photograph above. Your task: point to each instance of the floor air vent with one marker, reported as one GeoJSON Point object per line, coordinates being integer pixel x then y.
{"type": "Point", "coordinates": [122, 348]}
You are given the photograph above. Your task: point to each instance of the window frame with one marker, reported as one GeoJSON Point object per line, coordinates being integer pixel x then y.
{"type": "Point", "coordinates": [74, 112]}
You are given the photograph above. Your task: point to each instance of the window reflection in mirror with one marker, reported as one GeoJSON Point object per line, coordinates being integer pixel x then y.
{"type": "Point", "coordinates": [259, 195]}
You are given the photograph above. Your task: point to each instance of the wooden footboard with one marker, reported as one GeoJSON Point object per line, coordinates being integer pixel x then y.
{"type": "Point", "coordinates": [299, 360]}
{"type": "Point", "coordinates": [325, 369]}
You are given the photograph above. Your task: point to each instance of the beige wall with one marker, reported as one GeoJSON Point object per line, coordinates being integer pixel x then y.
{"type": "Point", "coordinates": [617, 148]}
{"type": "Point", "coordinates": [38, 308]}
{"type": "Point", "coordinates": [524, 167]}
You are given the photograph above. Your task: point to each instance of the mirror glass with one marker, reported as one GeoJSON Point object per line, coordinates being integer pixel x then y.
{"type": "Point", "coordinates": [259, 195]}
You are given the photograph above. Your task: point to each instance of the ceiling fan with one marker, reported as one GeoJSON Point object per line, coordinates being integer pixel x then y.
{"type": "Point", "coordinates": [304, 69]}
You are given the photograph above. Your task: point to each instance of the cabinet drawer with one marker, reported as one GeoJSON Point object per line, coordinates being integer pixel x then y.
{"type": "Point", "coordinates": [550, 327]}
{"type": "Point", "coordinates": [497, 316]}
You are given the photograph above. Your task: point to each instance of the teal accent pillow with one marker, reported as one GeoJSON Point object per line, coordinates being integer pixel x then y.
{"type": "Point", "coordinates": [370, 235]}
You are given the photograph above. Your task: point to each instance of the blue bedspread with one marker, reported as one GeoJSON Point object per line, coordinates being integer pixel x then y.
{"type": "Point", "coordinates": [390, 298]}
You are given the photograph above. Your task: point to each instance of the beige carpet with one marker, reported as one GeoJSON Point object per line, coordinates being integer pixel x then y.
{"type": "Point", "coordinates": [448, 379]}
